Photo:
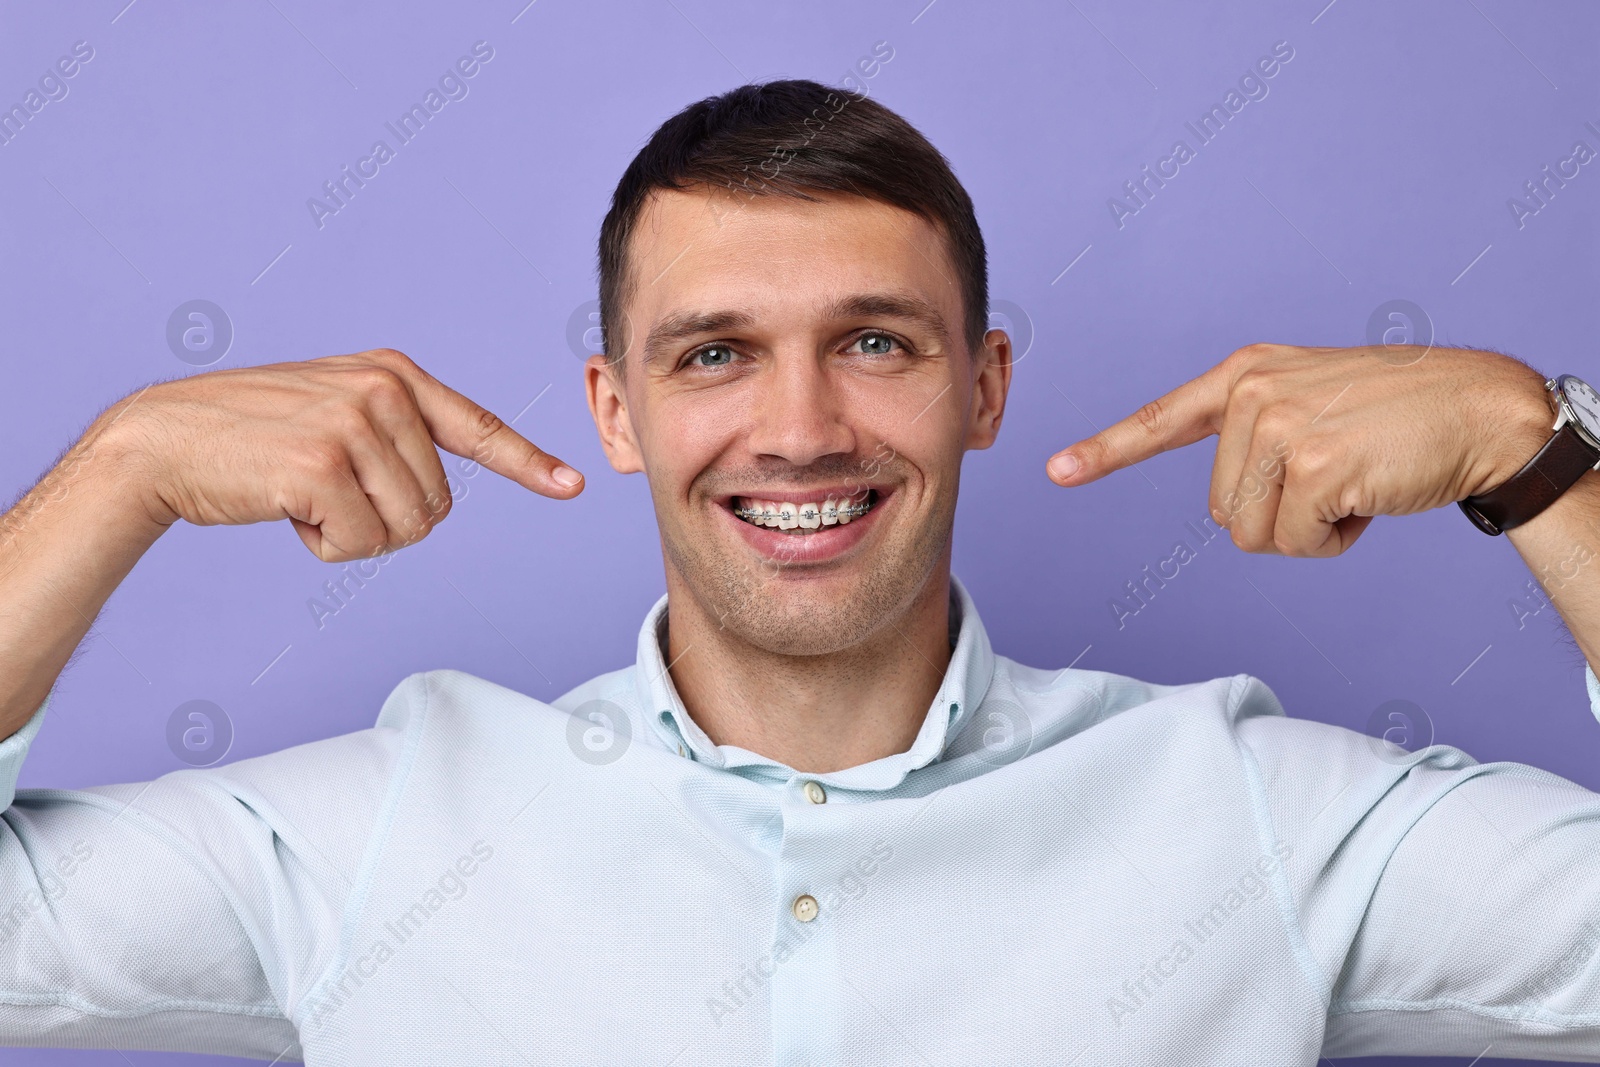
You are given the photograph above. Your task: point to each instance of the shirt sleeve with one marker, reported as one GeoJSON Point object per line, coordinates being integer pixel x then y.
{"type": "Point", "coordinates": [189, 913]}
{"type": "Point", "coordinates": [1444, 907]}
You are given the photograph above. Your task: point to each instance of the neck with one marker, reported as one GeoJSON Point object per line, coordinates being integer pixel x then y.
{"type": "Point", "coordinates": [813, 713]}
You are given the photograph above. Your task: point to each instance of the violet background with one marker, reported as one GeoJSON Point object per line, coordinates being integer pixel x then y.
{"type": "Point", "coordinates": [1378, 167]}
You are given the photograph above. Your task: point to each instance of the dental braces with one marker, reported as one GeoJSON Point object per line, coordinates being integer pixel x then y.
{"type": "Point", "coordinates": [856, 511]}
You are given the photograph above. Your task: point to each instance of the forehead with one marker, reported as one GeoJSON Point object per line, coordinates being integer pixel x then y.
{"type": "Point", "coordinates": [707, 249]}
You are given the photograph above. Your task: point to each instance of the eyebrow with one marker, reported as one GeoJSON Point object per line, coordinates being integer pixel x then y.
{"type": "Point", "coordinates": [682, 325]}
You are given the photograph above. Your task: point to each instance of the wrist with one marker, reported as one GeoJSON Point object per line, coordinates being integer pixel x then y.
{"type": "Point", "coordinates": [113, 466]}
{"type": "Point", "coordinates": [1525, 415]}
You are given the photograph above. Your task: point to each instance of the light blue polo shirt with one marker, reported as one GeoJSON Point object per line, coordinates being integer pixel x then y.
{"type": "Point", "coordinates": [1066, 867]}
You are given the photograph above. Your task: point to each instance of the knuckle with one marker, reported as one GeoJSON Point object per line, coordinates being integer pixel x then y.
{"type": "Point", "coordinates": [439, 503]}
{"type": "Point", "coordinates": [486, 423]}
{"type": "Point", "coordinates": [388, 356]}
{"type": "Point", "coordinates": [486, 427]}
{"type": "Point", "coordinates": [436, 512]}
{"type": "Point", "coordinates": [1094, 451]}
{"type": "Point", "coordinates": [1273, 424]}
{"type": "Point", "coordinates": [376, 381]}
{"type": "Point", "coordinates": [332, 552]}
{"type": "Point", "coordinates": [1252, 386]}
{"type": "Point", "coordinates": [423, 517]}
{"type": "Point", "coordinates": [410, 533]}
{"type": "Point", "coordinates": [347, 421]}
{"type": "Point", "coordinates": [412, 524]}
{"type": "Point", "coordinates": [388, 397]}
{"type": "Point", "coordinates": [1253, 541]}
{"type": "Point", "coordinates": [319, 464]}
{"type": "Point", "coordinates": [1152, 418]}
{"type": "Point", "coordinates": [1313, 461]}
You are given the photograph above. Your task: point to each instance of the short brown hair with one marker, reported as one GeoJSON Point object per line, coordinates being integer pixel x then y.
{"type": "Point", "coordinates": [785, 138]}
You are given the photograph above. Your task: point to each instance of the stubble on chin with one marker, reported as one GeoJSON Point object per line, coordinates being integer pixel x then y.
{"type": "Point", "coordinates": [761, 605]}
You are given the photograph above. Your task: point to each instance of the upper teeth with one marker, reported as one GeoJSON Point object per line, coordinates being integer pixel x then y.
{"type": "Point", "coordinates": [807, 516]}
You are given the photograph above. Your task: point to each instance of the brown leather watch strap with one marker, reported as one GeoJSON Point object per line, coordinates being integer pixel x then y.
{"type": "Point", "coordinates": [1559, 464]}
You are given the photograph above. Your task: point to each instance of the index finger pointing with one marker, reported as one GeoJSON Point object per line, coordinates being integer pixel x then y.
{"type": "Point", "coordinates": [461, 425]}
{"type": "Point", "coordinates": [1183, 416]}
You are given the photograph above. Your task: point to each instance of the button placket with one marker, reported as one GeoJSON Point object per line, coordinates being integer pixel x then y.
{"type": "Point", "coordinates": [804, 992]}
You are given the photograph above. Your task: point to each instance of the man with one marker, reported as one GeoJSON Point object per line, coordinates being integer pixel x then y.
{"type": "Point", "coordinates": [819, 821]}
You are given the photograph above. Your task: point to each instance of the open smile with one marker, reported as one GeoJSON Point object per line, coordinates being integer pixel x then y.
{"type": "Point", "coordinates": [806, 527]}
{"type": "Point", "coordinates": [807, 515]}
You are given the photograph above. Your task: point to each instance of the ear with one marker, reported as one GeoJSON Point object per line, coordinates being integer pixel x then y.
{"type": "Point", "coordinates": [609, 405]}
{"type": "Point", "coordinates": [989, 388]}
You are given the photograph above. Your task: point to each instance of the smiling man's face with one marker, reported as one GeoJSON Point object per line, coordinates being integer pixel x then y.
{"type": "Point", "coordinates": [786, 352]}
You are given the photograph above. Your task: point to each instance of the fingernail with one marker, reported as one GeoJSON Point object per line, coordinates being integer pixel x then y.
{"type": "Point", "coordinates": [1064, 466]}
{"type": "Point", "coordinates": [565, 477]}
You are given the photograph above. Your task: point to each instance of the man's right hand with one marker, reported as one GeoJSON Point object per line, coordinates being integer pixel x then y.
{"type": "Point", "coordinates": [342, 447]}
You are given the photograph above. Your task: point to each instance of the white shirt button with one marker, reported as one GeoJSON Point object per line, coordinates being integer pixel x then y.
{"type": "Point", "coordinates": [815, 793]}
{"type": "Point", "coordinates": [805, 907]}
{"type": "Point", "coordinates": [682, 751]}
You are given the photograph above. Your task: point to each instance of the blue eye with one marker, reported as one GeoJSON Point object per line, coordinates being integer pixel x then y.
{"type": "Point", "coordinates": [713, 356]}
{"type": "Point", "coordinates": [876, 344]}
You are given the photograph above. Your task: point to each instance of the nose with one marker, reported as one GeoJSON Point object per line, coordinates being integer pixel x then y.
{"type": "Point", "coordinates": [797, 414]}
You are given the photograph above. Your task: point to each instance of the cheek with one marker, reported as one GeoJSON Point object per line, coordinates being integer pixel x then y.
{"type": "Point", "coordinates": [679, 439]}
{"type": "Point", "coordinates": [916, 425]}
{"type": "Point", "coordinates": [902, 403]}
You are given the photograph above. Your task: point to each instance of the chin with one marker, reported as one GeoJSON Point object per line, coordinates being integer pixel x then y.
{"type": "Point", "coordinates": [813, 613]}
{"type": "Point", "coordinates": [798, 622]}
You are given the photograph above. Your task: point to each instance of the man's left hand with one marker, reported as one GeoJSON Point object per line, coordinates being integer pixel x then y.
{"type": "Point", "coordinates": [1312, 443]}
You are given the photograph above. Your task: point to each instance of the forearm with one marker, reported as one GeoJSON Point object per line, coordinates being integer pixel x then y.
{"type": "Point", "coordinates": [64, 548]}
{"type": "Point", "coordinates": [1561, 546]}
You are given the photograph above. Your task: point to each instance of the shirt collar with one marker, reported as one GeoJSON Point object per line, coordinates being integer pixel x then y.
{"type": "Point", "coordinates": [966, 680]}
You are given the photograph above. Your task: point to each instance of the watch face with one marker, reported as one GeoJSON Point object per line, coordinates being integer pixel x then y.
{"type": "Point", "coordinates": [1585, 404]}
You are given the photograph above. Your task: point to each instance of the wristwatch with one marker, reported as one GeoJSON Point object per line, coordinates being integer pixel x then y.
{"type": "Point", "coordinates": [1574, 449]}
